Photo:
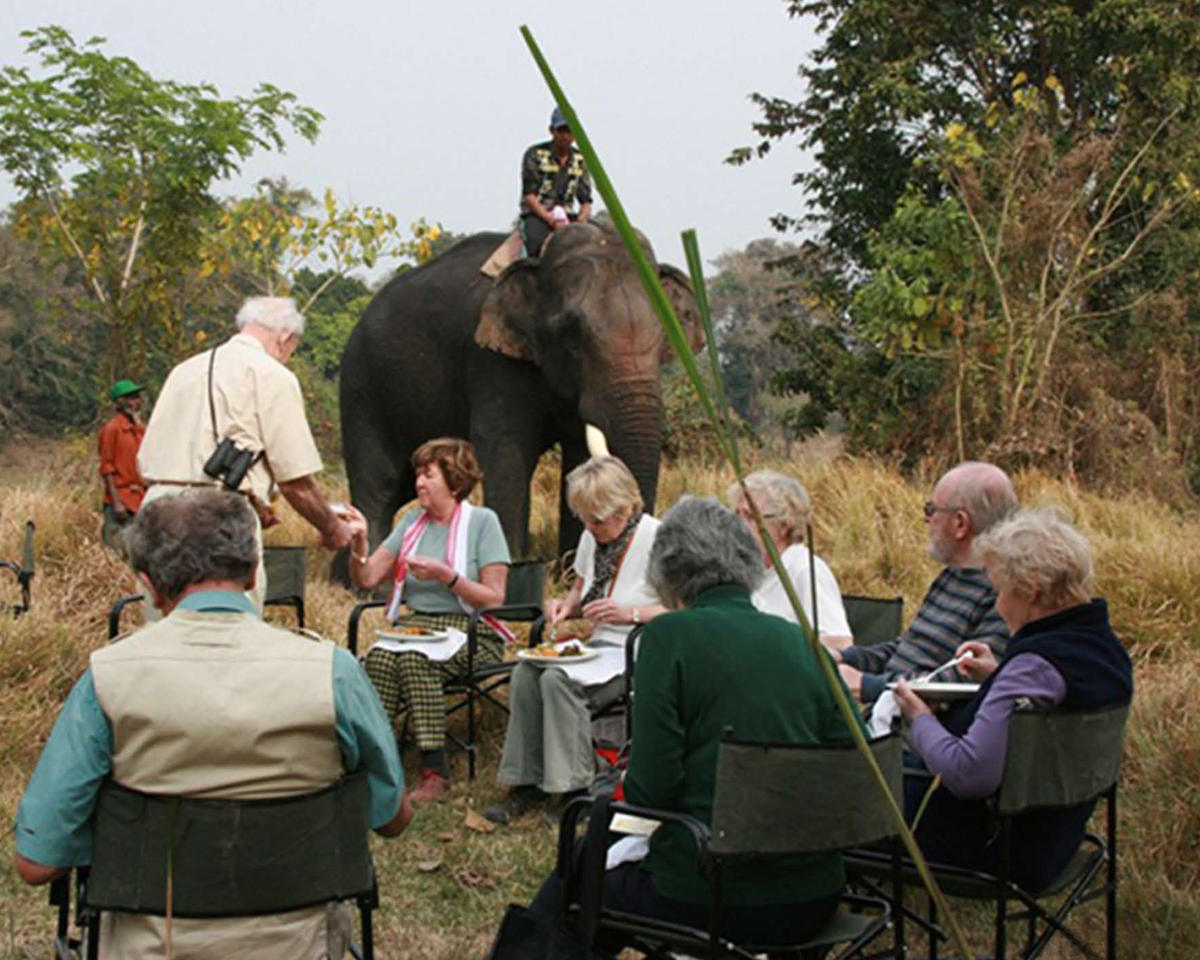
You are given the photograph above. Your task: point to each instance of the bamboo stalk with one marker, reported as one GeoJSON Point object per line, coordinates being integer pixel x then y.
{"type": "Point", "coordinates": [674, 331]}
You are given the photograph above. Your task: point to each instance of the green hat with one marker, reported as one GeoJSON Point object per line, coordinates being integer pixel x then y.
{"type": "Point", "coordinates": [124, 388]}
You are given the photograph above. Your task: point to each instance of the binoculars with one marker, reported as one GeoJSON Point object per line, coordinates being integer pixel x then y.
{"type": "Point", "coordinates": [229, 464]}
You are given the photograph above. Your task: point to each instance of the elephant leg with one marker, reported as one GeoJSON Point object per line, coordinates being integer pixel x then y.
{"type": "Point", "coordinates": [508, 466]}
{"type": "Point", "coordinates": [574, 452]}
{"type": "Point", "coordinates": [381, 481]}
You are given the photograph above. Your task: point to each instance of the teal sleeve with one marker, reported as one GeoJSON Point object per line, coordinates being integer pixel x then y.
{"type": "Point", "coordinates": [490, 545]}
{"type": "Point", "coordinates": [393, 540]}
{"type": "Point", "coordinates": [366, 737]}
{"type": "Point", "coordinates": [656, 766]}
{"type": "Point", "coordinates": [54, 819]}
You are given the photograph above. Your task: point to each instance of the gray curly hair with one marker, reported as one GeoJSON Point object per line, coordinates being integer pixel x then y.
{"type": "Point", "coordinates": [701, 545]}
{"type": "Point", "coordinates": [1038, 552]}
{"type": "Point", "coordinates": [780, 498]}
{"type": "Point", "coordinates": [199, 535]}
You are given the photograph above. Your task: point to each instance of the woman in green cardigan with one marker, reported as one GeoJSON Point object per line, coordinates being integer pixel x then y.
{"type": "Point", "coordinates": [716, 662]}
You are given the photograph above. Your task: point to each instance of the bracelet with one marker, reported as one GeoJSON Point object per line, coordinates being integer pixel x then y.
{"type": "Point", "coordinates": [362, 560]}
{"type": "Point", "coordinates": [450, 585]}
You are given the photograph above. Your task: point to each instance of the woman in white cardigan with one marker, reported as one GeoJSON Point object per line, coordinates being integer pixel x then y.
{"type": "Point", "coordinates": [548, 746]}
{"type": "Point", "coordinates": [786, 507]}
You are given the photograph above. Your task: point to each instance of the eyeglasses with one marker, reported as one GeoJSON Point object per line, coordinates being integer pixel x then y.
{"type": "Point", "coordinates": [931, 508]}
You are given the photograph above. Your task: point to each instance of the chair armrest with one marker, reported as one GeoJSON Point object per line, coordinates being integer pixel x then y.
{"type": "Point", "coordinates": [700, 832]}
{"type": "Point", "coordinates": [355, 616]}
{"type": "Point", "coordinates": [511, 611]}
{"type": "Point", "coordinates": [115, 611]}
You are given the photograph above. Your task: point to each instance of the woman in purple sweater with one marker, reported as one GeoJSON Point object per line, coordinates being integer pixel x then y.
{"type": "Point", "coordinates": [1063, 653]}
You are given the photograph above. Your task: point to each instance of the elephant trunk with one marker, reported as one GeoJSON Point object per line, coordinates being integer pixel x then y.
{"type": "Point", "coordinates": [635, 434]}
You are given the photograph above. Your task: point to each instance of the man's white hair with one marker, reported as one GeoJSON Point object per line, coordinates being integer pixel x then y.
{"type": "Point", "coordinates": [274, 313]}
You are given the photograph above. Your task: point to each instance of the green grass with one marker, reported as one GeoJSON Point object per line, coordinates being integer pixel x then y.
{"type": "Point", "coordinates": [867, 525]}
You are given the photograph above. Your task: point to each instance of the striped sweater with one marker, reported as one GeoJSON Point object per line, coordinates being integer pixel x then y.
{"type": "Point", "coordinates": [959, 606]}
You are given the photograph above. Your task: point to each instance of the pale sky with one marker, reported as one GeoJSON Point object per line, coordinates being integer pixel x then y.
{"type": "Point", "coordinates": [429, 105]}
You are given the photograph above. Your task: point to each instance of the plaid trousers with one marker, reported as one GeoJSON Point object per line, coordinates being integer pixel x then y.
{"type": "Point", "coordinates": [412, 682]}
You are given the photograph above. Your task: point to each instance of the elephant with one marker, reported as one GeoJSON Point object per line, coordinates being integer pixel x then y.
{"type": "Point", "coordinates": [563, 349]}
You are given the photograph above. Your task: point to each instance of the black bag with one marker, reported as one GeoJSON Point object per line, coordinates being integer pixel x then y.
{"type": "Point", "coordinates": [524, 935]}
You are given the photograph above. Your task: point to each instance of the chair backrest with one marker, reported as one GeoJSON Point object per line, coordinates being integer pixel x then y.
{"type": "Point", "coordinates": [793, 798]}
{"type": "Point", "coordinates": [286, 570]}
{"type": "Point", "coordinates": [874, 619]}
{"type": "Point", "coordinates": [27, 555]}
{"type": "Point", "coordinates": [1061, 758]}
{"type": "Point", "coordinates": [230, 857]}
{"type": "Point", "coordinates": [526, 583]}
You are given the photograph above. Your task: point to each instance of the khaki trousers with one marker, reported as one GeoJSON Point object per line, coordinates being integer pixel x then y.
{"type": "Point", "coordinates": [549, 738]}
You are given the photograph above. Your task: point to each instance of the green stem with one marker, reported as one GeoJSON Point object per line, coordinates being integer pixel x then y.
{"type": "Point", "coordinates": [674, 331]}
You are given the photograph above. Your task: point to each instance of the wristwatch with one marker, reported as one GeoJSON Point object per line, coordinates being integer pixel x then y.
{"type": "Point", "coordinates": [637, 616]}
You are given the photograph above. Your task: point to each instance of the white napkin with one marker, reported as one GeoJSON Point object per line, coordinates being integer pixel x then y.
{"type": "Point", "coordinates": [438, 650]}
{"type": "Point", "coordinates": [625, 850]}
{"type": "Point", "coordinates": [885, 711]}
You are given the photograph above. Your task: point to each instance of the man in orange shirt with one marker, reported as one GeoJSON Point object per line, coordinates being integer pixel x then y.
{"type": "Point", "coordinates": [119, 442]}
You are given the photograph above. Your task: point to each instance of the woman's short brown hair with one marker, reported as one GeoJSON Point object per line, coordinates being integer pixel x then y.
{"type": "Point", "coordinates": [455, 457]}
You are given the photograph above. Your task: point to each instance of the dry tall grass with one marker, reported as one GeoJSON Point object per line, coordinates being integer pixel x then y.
{"type": "Point", "coordinates": [444, 886]}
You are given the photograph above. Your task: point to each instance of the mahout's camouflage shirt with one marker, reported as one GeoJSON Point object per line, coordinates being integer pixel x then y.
{"type": "Point", "coordinates": [540, 170]}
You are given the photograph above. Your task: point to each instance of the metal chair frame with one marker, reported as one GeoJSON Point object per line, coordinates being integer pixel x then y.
{"type": "Point", "coordinates": [475, 683]}
{"type": "Point", "coordinates": [23, 572]}
{"type": "Point", "coordinates": [866, 868]}
{"type": "Point", "coordinates": [659, 938]}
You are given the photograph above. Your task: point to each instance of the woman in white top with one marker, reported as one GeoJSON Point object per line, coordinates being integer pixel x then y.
{"type": "Point", "coordinates": [548, 746]}
{"type": "Point", "coordinates": [785, 507]}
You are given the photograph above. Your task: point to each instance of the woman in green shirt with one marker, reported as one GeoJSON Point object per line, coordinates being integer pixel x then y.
{"type": "Point", "coordinates": [716, 662]}
{"type": "Point", "coordinates": [445, 559]}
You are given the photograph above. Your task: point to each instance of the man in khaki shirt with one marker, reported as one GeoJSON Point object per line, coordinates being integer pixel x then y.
{"type": "Point", "coordinates": [242, 391]}
{"type": "Point", "coordinates": [208, 703]}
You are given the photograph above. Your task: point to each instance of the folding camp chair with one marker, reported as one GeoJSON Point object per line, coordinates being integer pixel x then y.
{"type": "Point", "coordinates": [771, 800]}
{"type": "Point", "coordinates": [522, 604]}
{"type": "Point", "coordinates": [226, 858]}
{"type": "Point", "coordinates": [23, 571]}
{"type": "Point", "coordinates": [286, 573]}
{"type": "Point", "coordinates": [874, 619]}
{"type": "Point", "coordinates": [1054, 760]}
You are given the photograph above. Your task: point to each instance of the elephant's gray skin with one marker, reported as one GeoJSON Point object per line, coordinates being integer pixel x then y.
{"type": "Point", "coordinates": [515, 367]}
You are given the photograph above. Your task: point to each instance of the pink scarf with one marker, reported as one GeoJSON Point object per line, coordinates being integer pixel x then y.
{"type": "Point", "coordinates": [456, 559]}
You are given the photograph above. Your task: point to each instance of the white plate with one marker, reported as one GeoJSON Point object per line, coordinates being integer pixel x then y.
{"type": "Point", "coordinates": [534, 657]}
{"type": "Point", "coordinates": [433, 636]}
{"type": "Point", "coordinates": [938, 690]}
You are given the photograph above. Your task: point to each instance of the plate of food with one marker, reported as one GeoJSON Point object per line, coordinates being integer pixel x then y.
{"type": "Point", "coordinates": [939, 690]}
{"type": "Point", "coordinates": [412, 634]}
{"type": "Point", "coordinates": [564, 652]}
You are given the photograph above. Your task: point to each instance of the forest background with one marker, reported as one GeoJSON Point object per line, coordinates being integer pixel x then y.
{"type": "Point", "coordinates": [994, 256]}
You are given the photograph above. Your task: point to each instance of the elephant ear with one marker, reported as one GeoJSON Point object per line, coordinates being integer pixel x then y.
{"type": "Point", "coordinates": [679, 289]}
{"type": "Point", "coordinates": [508, 317]}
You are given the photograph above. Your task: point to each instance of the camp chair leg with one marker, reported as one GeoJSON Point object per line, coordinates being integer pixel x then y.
{"type": "Point", "coordinates": [933, 937]}
{"type": "Point", "coordinates": [1110, 899]}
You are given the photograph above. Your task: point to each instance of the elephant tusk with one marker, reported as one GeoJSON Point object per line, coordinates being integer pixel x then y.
{"type": "Point", "coordinates": [596, 444]}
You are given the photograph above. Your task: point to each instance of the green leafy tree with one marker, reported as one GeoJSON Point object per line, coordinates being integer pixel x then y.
{"type": "Point", "coordinates": [1008, 210]}
{"type": "Point", "coordinates": [115, 169]}
{"type": "Point", "coordinates": [751, 297]}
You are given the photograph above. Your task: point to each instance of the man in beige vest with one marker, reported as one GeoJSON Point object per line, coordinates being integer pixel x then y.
{"type": "Point", "coordinates": [242, 392]}
{"type": "Point", "coordinates": [209, 702]}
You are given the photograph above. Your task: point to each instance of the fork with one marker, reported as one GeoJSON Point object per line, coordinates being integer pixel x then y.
{"type": "Point", "coordinates": [946, 666]}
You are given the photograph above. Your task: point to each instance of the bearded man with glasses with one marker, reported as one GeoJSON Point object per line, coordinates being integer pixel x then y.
{"type": "Point", "coordinates": [960, 603]}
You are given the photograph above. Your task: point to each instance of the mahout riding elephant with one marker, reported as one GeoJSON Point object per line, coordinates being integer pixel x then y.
{"type": "Point", "coordinates": [551, 347]}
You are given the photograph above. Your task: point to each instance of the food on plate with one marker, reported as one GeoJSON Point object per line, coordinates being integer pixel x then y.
{"type": "Point", "coordinates": [572, 649]}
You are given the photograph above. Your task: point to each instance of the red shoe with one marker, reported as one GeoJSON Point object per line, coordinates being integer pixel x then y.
{"type": "Point", "coordinates": [431, 787]}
